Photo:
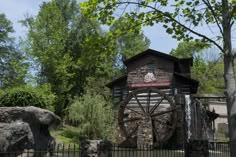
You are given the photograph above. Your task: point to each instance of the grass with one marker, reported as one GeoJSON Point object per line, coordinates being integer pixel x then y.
{"type": "Point", "coordinates": [66, 135]}
{"type": "Point", "coordinates": [221, 137]}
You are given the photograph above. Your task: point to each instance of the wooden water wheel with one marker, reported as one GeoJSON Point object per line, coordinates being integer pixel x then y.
{"type": "Point", "coordinates": [148, 103]}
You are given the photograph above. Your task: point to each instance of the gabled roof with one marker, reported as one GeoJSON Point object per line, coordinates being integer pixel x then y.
{"type": "Point", "coordinates": [158, 54]}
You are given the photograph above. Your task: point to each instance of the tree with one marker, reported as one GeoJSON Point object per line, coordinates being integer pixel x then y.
{"type": "Point", "coordinates": [58, 41]}
{"type": "Point", "coordinates": [69, 48]}
{"type": "Point", "coordinates": [189, 49]}
{"type": "Point", "coordinates": [94, 114]}
{"type": "Point", "coordinates": [13, 65]}
{"type": "Point", "coordinates": [207, 71]}
{"type": "Point", "coordinates": [127, 44]}
{"type": "Point", "coordinates": [181, 19]}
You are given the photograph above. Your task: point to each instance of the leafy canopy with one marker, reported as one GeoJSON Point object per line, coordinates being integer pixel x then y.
{"type": "Point", "coordinates": [13, 65]}
{"type": "Point", "coordinates": [207, 71]}
{"type": "Point", "coordinates": [70, 48]}
{"type": "Point", "coordinates": [181, 18]}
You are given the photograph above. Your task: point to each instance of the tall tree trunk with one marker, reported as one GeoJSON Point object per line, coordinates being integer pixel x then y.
{"type": "Point", "coordinates": [230, 100]}
{"type": "Point", "coordinates": [229, 78]}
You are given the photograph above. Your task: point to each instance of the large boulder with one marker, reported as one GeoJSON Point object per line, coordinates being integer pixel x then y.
{"type": "Point", "coordinates": [26, 128]}
{"type": "Point", "coordinates": [15, 136]}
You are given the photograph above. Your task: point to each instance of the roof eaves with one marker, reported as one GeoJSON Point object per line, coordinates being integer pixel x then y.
{"type": "Point", "coordinates": [157, 53]}
{"type": "Point", "coordinates": [110, 84]}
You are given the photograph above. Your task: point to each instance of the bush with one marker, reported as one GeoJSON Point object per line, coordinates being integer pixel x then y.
{"type": "Point", "coordinates": [94, 115]}
{"type": "Point", "coordinates": [28, 96]}
{"type": "Point", "coordinates": [21, 98]}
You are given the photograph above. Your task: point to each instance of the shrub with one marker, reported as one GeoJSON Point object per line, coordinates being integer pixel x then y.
{"type": "Point", "coordinates": [94, 114]}
{"type": "Point", "coordinates": [28, 96]}
{"type": "Point", "coordinates": [21, 98]}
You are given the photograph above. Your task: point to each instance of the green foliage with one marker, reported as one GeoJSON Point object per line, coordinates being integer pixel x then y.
{"type": "Point", "coordinates": [13, 65]}
{"type": "Point", "coordinates": [127, 43]}
{"type": "Point", "coordinates": [5, 29]}
{"type": "Point", "coordinates": [189, 49]}
{"type": "Point", "coordinates": [28, 96]}
{"type": "Point", "coordinates": [94, 114]}
{"type": "Point", "coordinates": [97, 86]}
{"type": "Point", "coordinates": [66, 135]}
{"type": "Point", "coordinates": [70, 49]}
{"type": "Point", "coordinates": [21, 98]}
{"type": "Point", "coordinates": [208, 72]}
{"type": "Point", "coordinates": [180, 18]}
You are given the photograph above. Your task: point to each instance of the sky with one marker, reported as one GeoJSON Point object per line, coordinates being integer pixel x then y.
{"type": "Point", "coordinates": [16, 10]}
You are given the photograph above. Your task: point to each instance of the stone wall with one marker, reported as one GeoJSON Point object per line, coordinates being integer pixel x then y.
{"type": "Point", "coordinates": [177, 139]}
{"type": "Point", "coordinates": [144, 133]}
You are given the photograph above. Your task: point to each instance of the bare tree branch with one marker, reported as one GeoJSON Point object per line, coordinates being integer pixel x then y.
{"type": "Point", "coordinates": [174, 20]}
{"type": "Point", "coordinates": [208, 4]}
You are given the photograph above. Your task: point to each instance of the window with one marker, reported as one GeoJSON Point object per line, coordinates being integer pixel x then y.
{"type": "Point", "coordinates": [150, 67]}
{"type": "Point", "coordinates": [150, 76]}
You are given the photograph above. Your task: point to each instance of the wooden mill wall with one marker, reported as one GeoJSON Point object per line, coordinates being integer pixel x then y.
{"type": "Point", "coordinates": [163, 69]}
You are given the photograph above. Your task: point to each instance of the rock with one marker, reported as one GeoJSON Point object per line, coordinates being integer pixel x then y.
{"type": "Point", "coordinates": [26, 128]}
{"type": "Point", "coordinates": [15, 136]}
{"type": "Point", "coordinates": [28, 114]}
{"type": "Point", "coordinates": [95, 148]}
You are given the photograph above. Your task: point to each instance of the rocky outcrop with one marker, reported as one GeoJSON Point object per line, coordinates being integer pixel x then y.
{"type": "Point", "coordinates": [15, 136]}
{"type": "Point", "coordinates": [26, 128]}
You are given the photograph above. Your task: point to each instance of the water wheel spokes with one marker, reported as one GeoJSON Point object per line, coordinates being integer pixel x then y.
{"type": "Point", "coordinates": [156, 105]}
{"type": "Point", "coordinates": [155, 131]}
{"type": "Point", "coordinates": [140, 113]}
{"type": "Point", "coordinates": [163, 112]}
{"type": "Point", "coordinates": [148, 103]}
{"type": "Point", "coordinates": [129, 120]}
{"type": "Point", "coordinates": [138, 102]}
{"type": "Point", "coordinates": [164, 123]}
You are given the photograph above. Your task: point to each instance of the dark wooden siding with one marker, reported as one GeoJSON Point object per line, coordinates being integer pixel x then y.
{"type": "Point", "coordinates": [163, 69]}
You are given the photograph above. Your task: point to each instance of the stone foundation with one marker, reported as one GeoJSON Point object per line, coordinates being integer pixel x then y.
{"type": "Point", "coordinates": [145, 134]}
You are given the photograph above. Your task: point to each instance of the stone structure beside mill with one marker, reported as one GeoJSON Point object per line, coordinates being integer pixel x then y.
{"type": "Point", "coordinates": [149, 110]}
